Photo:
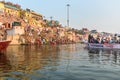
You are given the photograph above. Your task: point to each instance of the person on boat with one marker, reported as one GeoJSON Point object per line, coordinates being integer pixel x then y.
{"type": "Point", "coordinates": [119, 39]}
{"type": "Point", "coordinates": [115, 38]}
{"type": "Point", "coordinates": [97, 40]}
{"type": "Point", "coordinates": [90, 38]}
{"type": "Point", "coordinates": [111, 41]}
{"type": "Point", "coordinates": [104, 40]}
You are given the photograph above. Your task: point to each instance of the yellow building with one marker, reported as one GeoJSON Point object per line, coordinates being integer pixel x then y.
{"type": "Point", "coordinates": [1, 7]}
{"type": "Point", "coordinates": [28, 14]}
{"type": "Point", "coordinates": [33, 17]}
{"type": "Point", "coordinates": [36, 16]}
{"type": "Point", "coordinates": [11, 9]}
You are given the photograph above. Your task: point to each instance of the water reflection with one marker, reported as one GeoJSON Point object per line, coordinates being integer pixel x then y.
{"type": "Point", "coordinates": [26, 59]}
{"type": "Point", "coordinates": [104, 56]}
{"type": "Point", "coordinates": [57, 62]}
{"type": "Point", "coordinates": [4, 63]}
{"type": "Point", "coordinates": [29, 58]}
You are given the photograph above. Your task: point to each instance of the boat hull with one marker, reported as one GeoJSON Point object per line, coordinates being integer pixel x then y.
{"type": "Point", "coordinates": [103, 46]}
{"type": "Point", "coordinates": [4, 45]}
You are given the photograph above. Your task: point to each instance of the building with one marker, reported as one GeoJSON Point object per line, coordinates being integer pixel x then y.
{"type": "Point", "coordinates": [1, 8]}
{"type": "Point", "coordinates": [9, 8]}
{"type": "Point", "coordinates": [36, 16]}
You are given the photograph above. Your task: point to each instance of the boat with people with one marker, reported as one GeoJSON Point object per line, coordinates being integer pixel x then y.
{"type": "Point", "coordinates": [4, 44]}
{"type": "Point", "coordinates": [103, 42]}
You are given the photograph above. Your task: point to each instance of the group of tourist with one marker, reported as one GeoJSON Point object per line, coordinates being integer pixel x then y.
{"type": "Point", "coordinates": [103, 39]}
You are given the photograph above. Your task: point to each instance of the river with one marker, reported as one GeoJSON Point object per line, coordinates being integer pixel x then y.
{"type": "Point", "coordinates": [59, 62]}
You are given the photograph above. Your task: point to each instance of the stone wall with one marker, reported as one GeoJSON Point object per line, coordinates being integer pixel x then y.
{"type": "Point", "coordinates": [14, 39]}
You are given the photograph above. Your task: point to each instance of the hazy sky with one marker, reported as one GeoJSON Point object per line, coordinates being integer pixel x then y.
{"type": "Point", "coordinates": [103, 15]}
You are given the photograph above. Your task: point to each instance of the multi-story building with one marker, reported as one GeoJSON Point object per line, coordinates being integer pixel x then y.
{"type": "Point", "coordinates": [36, 16]}
{"type": "Point", "coordinates": [1, 8]}
{"type": "Point", "coordinates": [9, 8]}
{"type": "Point", "coordinates": [9, 11]}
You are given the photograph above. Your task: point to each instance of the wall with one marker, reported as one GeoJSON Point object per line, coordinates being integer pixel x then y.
{"type": "Point", "coordinates": [14, 34]}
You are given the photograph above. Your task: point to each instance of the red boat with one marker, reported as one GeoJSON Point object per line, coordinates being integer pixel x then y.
{"type": "Point", "coordinates": [4, 45]}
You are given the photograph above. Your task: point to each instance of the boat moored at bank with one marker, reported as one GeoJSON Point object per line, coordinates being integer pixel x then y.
{"type": "Point", "coordinates": [4, 44]}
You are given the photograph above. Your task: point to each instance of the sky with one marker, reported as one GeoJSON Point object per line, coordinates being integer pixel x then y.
{"type": "Point", "coordinates": [102, 15]}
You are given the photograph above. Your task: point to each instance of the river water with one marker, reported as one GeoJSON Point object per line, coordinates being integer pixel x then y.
{"type": "Point", "coordinates": [59, 62]}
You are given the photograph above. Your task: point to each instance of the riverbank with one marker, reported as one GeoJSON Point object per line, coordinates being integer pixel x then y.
{"type": "Point", "coordinates": [29, 27]}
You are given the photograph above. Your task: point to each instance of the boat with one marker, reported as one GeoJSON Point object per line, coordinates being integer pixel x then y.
{"type": "Point", "coordinates": [4, 44]}
{"type": "Point", "coordinates": [103, 46]}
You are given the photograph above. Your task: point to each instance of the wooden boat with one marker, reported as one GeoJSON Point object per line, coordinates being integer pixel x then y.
{"type": "Point", "coordinates": [4, 45]}
{"type": "Point", "coordinates": [103, 46]}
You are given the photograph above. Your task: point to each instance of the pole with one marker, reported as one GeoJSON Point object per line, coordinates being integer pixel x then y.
{"type": "Point", "coordinates": [68, 5]}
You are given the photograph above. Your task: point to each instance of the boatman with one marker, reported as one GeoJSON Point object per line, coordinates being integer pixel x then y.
{"type": "Point", "coordinates": [90, 38]}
